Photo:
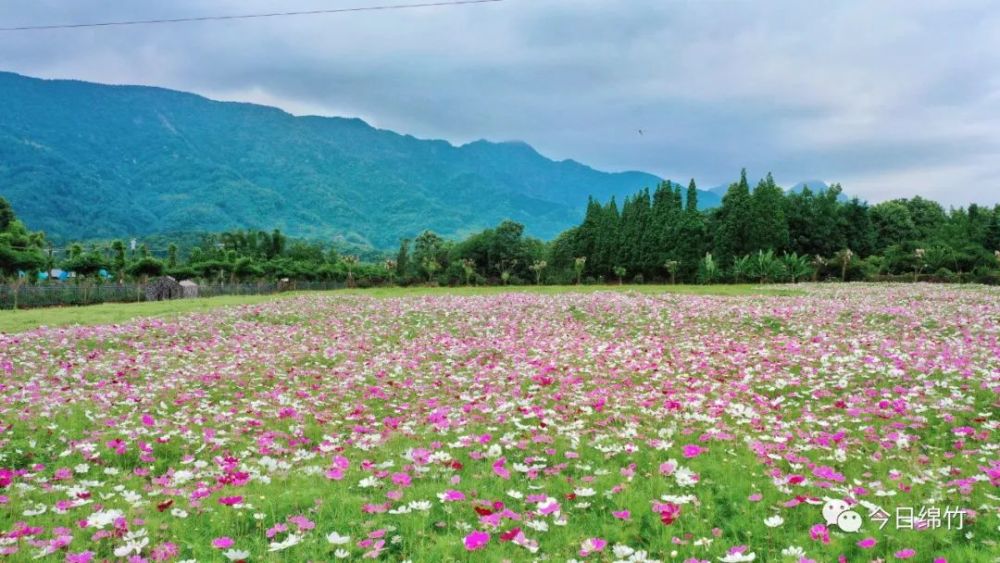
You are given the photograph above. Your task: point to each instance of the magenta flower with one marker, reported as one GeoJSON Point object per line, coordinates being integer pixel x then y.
{"type": "Point", "coordinates": [231, 501]}
{"type": "Point", "coordinates": [691, 450]}
{"type": "Point", "coordinates": [622, 514]}
{"type": "Point", "coordinates": [819, 532]}
{"type": "Point", "coordinates": [224, 542]}
{"type": "Point", "coordinates": [499, 469]}
{"type": "Point", "coordinates": [867, 543]}
{"type": "Point", "coordinates": [592, 545]}
{"type": "Point", "coordinates": [905, 553]}
{"type": "Point", "coordinates": [476, 540]}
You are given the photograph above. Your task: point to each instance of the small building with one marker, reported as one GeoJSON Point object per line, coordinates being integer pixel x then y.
{"type": "Point", "coordinates": [163, 288]}
{"type": "Point", "coordinates": [189, 289]}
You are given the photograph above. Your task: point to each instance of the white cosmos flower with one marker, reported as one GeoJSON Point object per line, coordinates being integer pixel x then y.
{"type": "Point", "coordinates": [36, 510]}
{"type": "Point", "coordinates": [585, 492]}
{"type": "Point", "coordinates": [622, 550]}
{"type": "Point", "coordinates": [369, 482]}
{"type": "Point", "coordinates": [236, 554]}
{"type": "Point", "coordinates": [537, 525]}
{"type": "Point", "coordinates": [738, 557]}
{"type": "Point", "coordinates": [102, 518]}
{"type": "Point", "coordinates": [794, 551]}
{"type": "Point", "coordinates": [337, 539]}
{"type": "Point", "coordinates": [774, 521]}
{"type": "Point", "coordinates": [341, 554]}
{"type": "Point", "coordinates": [178, 513]}
{"type": "Point", "coordinates": [291, 540]}
{"type": "Point", "coordinates": [132, 546]}
{"type": "Point", "coordinates": [685, 477]}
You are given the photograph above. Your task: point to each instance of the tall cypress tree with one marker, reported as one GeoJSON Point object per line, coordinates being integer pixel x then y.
{"type": "Point", "coordinates": [733, 237]}
{"type": "Point", "coordinates": [692, 197]}
{"type": "Point", "coordinates": [770, 228]}
{"type": "Point", "coordinates": [606, 247]}
{"type": "Point", "coordinates": [691, 237]}
{"type": "Point", "coordinates": [662, 219]}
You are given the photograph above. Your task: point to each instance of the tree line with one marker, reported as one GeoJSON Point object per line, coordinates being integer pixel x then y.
{"type": "Point", "coordinates": [761, 234]}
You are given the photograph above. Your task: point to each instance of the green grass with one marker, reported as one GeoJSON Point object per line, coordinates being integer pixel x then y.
{"type": "Point", "coordinates": [112, 313]}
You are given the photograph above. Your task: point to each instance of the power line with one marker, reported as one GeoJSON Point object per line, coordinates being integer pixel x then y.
{"type": "Point", "coordinates": [251, 16]}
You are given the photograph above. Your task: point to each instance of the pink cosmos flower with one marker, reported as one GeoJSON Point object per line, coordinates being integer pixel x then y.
{"type": "Point", "coordinates": [622, 514]}
{"type": "Point", "coordinates": [819, 532]}
{"type": "Point", "coordinates": [164, 552]}
{"type": "Point", "coordinates": [276, 529]}
{"type": "Point", "coordinates": [223, 542]}
{"type": "Point", "coordinates": [692, 450]}
{"type": "Point", "coordinates": [82, 557]}
{"type": "Point", "coordinates": [867, 543]}
{"type": "Point", "coordinates": [476, 540]}
{"type": "Point", "coordinates": [669, 512]}
{"type": "Point", "coordinates": [231, 501]}
{"type": "Point", "coordinates": [667, 468]}
{"type": "Point", "coordinates": [499, 469]}
{"type": "Point", "coordinates": [592, 545]}
{"type": "Point", "coordinates": [302, 523]}
{"type": "Point", "coordinates": [905, 553]}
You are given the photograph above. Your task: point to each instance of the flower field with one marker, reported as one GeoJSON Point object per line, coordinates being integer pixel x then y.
{"type": "Point", "coordinates": [605, 426]}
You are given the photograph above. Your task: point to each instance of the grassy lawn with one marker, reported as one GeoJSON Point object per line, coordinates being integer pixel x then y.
{"type": "Point", "coordinates": [111, 313]}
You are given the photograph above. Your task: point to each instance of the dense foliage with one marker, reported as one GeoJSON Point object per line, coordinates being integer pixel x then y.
{"type": "Point", "coordinates": [765, 234]}
{"type": "Point", "coordinates": [762, 234]}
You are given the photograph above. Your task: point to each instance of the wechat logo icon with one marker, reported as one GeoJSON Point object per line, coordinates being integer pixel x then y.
{"type": "Point", "coordinates": [838, 513]}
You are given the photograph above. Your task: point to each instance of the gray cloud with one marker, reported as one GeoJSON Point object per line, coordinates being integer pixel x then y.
{"type": "Point", "coordinates": [892, 99]}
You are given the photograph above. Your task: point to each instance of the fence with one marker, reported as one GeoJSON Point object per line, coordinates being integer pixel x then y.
{"type": "Point", "coordinates": [55, 294]}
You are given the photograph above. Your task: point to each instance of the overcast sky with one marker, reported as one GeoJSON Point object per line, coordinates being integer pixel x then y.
{"type": "Point", "coordinates": [892, 99]}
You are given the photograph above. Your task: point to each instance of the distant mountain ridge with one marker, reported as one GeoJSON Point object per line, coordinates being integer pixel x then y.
{"type": "Point", "coordinates": [84, 160]}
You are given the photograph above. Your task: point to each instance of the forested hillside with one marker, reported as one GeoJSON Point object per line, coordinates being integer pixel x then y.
{"type": "Point", "coordinates": [84, 161]}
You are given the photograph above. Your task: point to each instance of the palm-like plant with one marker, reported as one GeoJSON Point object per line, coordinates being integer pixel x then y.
{"type": "Point", "coordinates": [818, 262]}
{"type": "Point", "coordinates": [469, 268]}
{"type": "Point", "coordinates": [919, 263]}
{"type": "Point", "coordinates": [741, 267]}
{"type": "Point", "coordinates": [844, 257]}
{"type": "Point", "coordinates": [578, 264]}
{"type": "Point", "coordinates": [671, 266]}
{"type": "Point", "coordinates": [350, 262]}
{"type": "Point", "coordinates": [796, 267]}
{"type": "Point", "coordinates": [537, 267]}
{"type": "Point", "coordinates": [620, 272]}
{"type": "Point", "coordinates": [708, 270]}
{"type": "Point", "coordinates": [390, 269]}
{"type": "Point", "coordinates": [765, 267]}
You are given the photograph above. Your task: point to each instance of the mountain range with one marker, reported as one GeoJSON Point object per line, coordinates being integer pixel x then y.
{"type": "Point", "coordinates": [82, 160]}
